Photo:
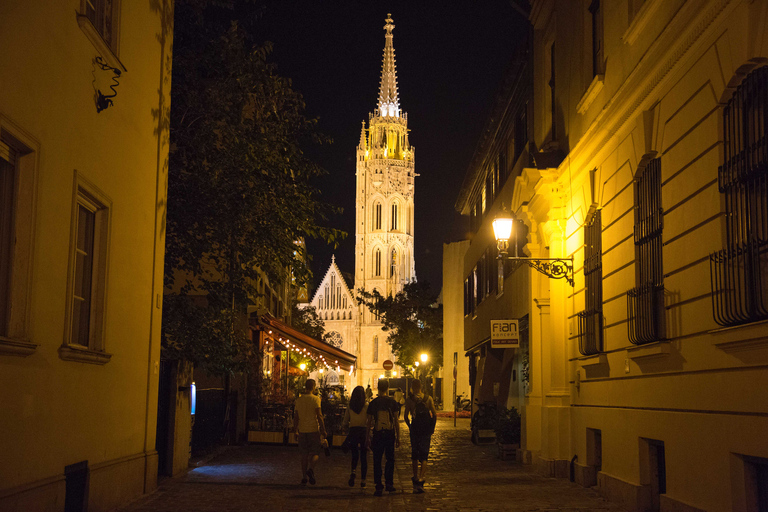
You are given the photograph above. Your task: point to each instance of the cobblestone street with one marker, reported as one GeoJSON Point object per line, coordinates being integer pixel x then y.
{"type": "Point", "coordinates": [461, 477]}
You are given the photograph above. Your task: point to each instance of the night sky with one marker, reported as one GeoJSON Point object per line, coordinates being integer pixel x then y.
{"type": "Point", "coordinates": [450, 58]}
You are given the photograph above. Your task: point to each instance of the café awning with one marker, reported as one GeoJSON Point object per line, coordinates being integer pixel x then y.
{"type": "Point", "coordinates": [321, 351]}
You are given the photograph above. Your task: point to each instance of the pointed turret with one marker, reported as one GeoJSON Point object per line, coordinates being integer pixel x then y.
{"type": "Point", "coordinates": [363, 143]}
{"type": "Point", "coordinates": [389, 103]}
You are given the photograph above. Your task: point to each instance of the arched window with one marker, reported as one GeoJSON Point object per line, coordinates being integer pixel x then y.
{"type": "Point", "coordinates": [393, 263]}
{"type": "Point", "coordinates": [333, 296]}
{"type": "Point", "coordinates": [320, 303]}
{"type": "Point", "coordinates": [377, 262]}
{"type": "Point", "coordinates": [375, 349]}
{"type": "Point", "coordinates": [377, 216]}
{"type": "Point", "coordinates": [409, 220]}
{"type": "Point", "coordinates": [394, 216]}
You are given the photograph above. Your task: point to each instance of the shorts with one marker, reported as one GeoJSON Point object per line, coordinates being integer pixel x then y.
{"type": "Point", "coordinates": [309, 443]}
{"type": "Point", "coordinates": [420, 447]}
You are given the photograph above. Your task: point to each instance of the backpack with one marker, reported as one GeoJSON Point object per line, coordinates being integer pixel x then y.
{"type": "Point", "coordinates": [383, 416]}
{"type": "Point", "coordinates": [422, 422]}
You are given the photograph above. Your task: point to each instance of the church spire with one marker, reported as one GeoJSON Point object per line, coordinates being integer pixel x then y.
{"type": "Point", "coordinates": [389, 103]}
{"type": "Point", "coordinates": [363, 143]}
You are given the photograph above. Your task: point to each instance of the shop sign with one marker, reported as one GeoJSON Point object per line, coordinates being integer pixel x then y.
{"type": "Point", "coordinates": [505, 334]}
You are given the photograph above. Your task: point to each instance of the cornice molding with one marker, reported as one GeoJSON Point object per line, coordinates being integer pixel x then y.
{"type": "Point", "coordinates": [650, 74]}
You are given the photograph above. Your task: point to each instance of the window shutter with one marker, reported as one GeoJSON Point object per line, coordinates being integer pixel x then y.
{"type": "Point", "coordinates": [7, 153]}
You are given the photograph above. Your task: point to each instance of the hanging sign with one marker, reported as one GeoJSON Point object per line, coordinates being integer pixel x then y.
{"type": "Point", "coordinates": [505, 334]}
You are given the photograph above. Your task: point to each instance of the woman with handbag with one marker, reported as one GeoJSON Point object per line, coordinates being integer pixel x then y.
{"type": "Point", "coordinates": [356, 417]}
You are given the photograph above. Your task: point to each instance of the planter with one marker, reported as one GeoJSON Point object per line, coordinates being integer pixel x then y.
{"type": "Point", "coordinates": [260, 436]}
{"type": "Point", "coordinates": [508, 451]}
{"type": "Point", "coordinates": [486, 436]}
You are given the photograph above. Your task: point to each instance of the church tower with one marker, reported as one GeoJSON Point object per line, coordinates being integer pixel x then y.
{"type": "Point", "coordinates": [384, 211]}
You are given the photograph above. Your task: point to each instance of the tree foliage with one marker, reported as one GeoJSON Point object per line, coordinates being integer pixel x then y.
{"type": "Point", "coordinates": [240, 188]}
{"type": "Point", "coordinates": [414, 321]}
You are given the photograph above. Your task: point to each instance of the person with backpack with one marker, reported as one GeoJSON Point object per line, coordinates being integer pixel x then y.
{"type": "Point", "coordinates": [382, 419]}
{"type": "Point", "coordinates": [421, 417]}
{"type": "Point", "coordinates": [357, 418]}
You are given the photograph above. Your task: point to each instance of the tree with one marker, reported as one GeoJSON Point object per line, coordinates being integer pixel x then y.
{"type": "Point", "coordinates": [308, 321]}
{"type": "Point", "coordinates": [414, 321]}
{"type": "Point", "coordinates": [240, 192]}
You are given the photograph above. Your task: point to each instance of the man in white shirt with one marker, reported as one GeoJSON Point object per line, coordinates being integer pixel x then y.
{"type": "Point", "coordinates": [308, 423]}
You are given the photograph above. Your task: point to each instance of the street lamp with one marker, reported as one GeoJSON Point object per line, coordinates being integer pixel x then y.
{"type": "Point", "coordinates": [556, 268]}
{"type": "Point", "coordinates": [424, 358]}
{"type": "Point", "coordinates": [303, 366]}
{"type": "Point", "coordinates": [416, 364]}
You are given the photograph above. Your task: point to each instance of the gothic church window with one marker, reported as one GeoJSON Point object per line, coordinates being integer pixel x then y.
{"type": "Point", "coordinates": [394, 216]}
{"type": "Point", "coordinates": [377, 262]}
{"type": "Point", "coordinates": [377, 216]}
{"type": "Point", "coordinates": [394, 263]}
{"type": "Point", "coordinates": [375, 349]}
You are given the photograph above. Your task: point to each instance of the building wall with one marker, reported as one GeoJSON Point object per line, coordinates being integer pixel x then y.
{"type": "Point", "coordinates": [668, 69]}
{"type": "Point", "coordinates": [58, 412]}
{"type": "Point", "coordinates": [663, 92]}
{"type": "Point", "coordinates": [453, 322]}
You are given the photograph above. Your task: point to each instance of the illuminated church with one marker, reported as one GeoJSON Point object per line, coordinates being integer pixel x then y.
{"type": "Point", "coordinates": [383, 231]}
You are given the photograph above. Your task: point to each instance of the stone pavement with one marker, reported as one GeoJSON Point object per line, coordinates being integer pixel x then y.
{"type": "Point", "coordinates": [461, 477]}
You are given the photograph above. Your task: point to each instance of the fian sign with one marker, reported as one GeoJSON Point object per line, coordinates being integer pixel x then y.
{"type": "Point", "coordinates": [505, 334]}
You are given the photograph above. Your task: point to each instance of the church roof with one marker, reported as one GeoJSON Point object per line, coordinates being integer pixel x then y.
{"type": "Point", "coordinates": [389, 102]}
{"type": "Point", "coordinates": [333, 268]}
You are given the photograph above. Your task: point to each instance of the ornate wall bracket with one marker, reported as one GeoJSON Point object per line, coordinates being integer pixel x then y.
{"type": "Point", "coordinates": [555, 268]}
{"type": "Point", "coordinates": [104, 101]}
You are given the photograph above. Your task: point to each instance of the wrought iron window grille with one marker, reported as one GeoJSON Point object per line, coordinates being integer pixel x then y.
{"type": "Point", "coordinates": [739, 272]}
{"type": "Point", "coordinates": [591, 319]}
{"type": "Point", "coordinates": [645, 302]}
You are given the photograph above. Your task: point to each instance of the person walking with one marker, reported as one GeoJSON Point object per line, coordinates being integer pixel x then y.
{"type": "Point", "coordinates": [382, 419]}
{"type": "Point", "coordinates": [421, 417]}
{"type": "Point", "coordinates": [309, 425]}
{"type": "Point", "coordinates": [368, 393]}
{"type": "Point", "coordinates": [357, 418]}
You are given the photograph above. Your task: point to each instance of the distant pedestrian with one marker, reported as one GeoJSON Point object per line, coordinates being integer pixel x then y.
{"type": "Point", "coordinates": [368, 393]}
{"type": "Point", "coordinates": [357, 417]}
{"type": "Point", "coordinates": [308, 424]}
{"type": "Point", "coordinates": [400, 399]}
{"type": "Point", "coordinates": [382, 418]}
{"type": "Point", "coordinates": [420, 416]}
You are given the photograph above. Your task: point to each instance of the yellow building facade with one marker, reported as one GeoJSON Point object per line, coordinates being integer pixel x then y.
{"type": "Point", "coordinates": [84, 108]}
{"type": "Point", "coordinates": [643, 160]}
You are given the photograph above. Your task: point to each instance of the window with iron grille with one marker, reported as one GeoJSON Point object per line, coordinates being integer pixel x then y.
{"type": "Point", "coordinates": [645, 302]}
{"type": "Point", "coordinates": [739, 272]}
{"type": "Point", "coordinates": [591, 319]}
{"type": "Point", "coordinates": [103, 15]}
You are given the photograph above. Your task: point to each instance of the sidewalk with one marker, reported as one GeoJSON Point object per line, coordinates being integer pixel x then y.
{"type": "Point", "coordinates": [461, 477]}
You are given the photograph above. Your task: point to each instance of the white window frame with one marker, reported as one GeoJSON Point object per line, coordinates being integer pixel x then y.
{"type": "Point", "coordinates": [88, 195]}
{"type": "Point", "coordinates": [15, 334]}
